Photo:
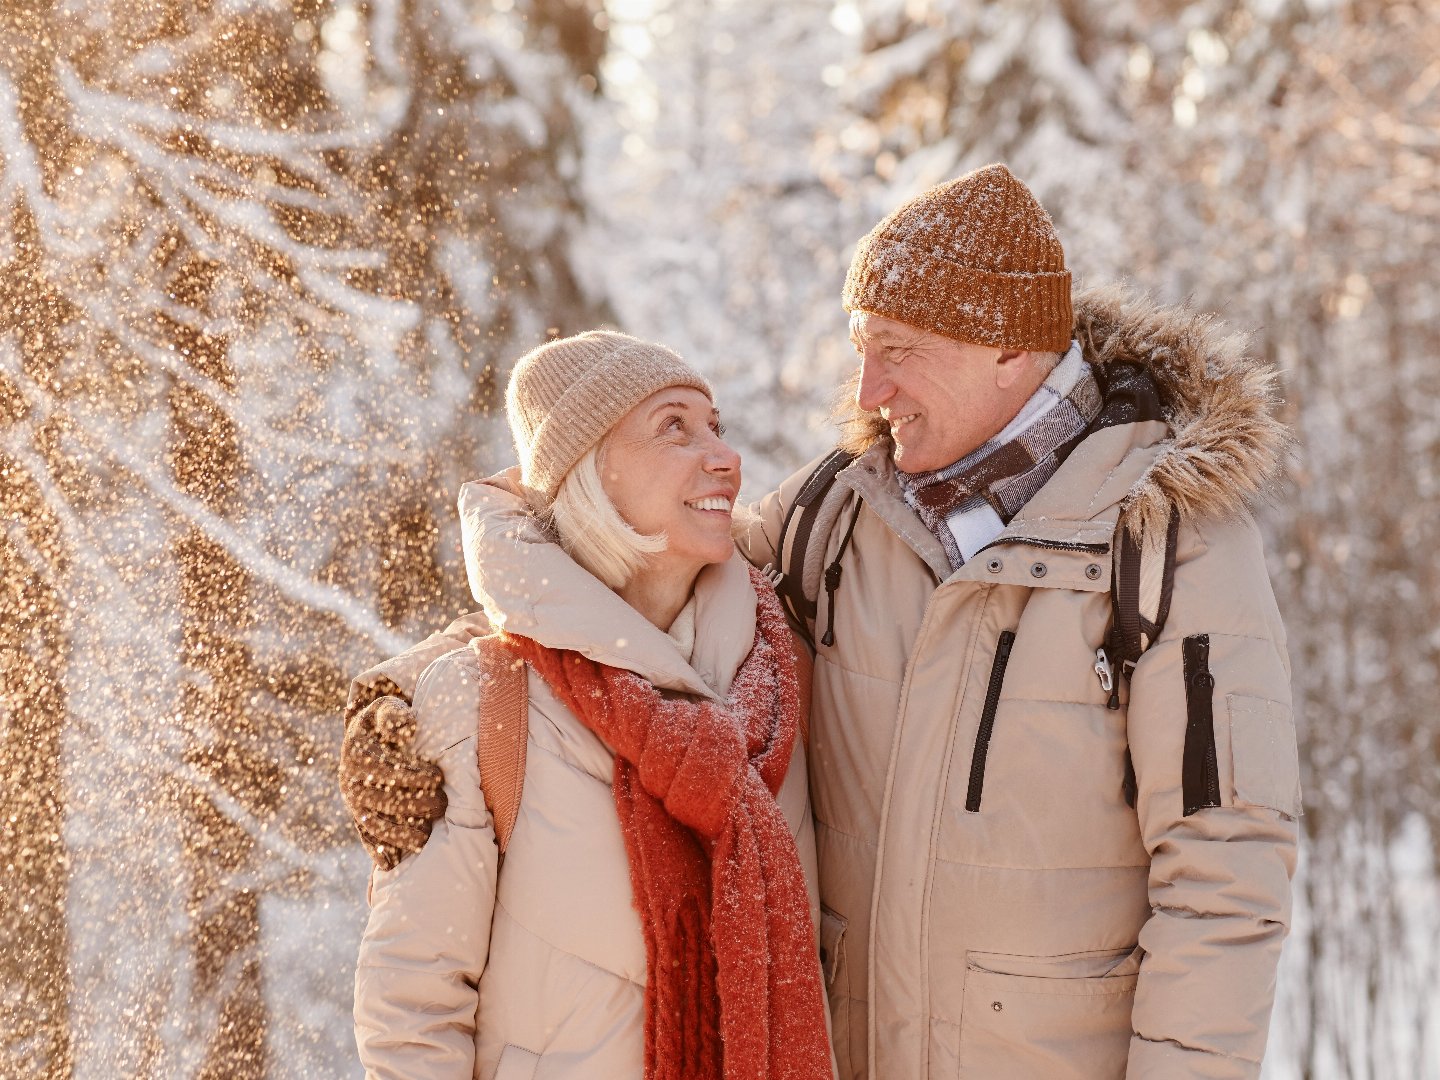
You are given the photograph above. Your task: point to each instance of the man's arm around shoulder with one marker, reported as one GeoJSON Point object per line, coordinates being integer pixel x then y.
{"type": "Point", "coordinates": [393, 794]}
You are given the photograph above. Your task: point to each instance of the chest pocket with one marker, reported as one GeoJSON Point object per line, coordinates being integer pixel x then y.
{"type": "Point", "coordinates": [987, 721]}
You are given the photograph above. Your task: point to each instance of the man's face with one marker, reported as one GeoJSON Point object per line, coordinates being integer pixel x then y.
{"type": "Point", "coordinates": [942, 398]}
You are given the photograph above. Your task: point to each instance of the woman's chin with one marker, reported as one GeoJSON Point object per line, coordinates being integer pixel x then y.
{"type": "Point", "coordinates": [710, 554]}
{"type": "Point", "coordinates": [721, 547]}
{"type": "Point", "coordinates": [707, 541]}
{"type": "Point", "coordinates": [722, 556]}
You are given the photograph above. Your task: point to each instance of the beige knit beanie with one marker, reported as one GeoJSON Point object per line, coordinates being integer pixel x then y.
{"type": "Point", "coordinates": [975, 259]}
{"type": "Point", "coordinates": [566, 394]}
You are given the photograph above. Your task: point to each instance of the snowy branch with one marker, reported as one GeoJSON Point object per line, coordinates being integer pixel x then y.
{"type": "Point", "coordinates": [290, 584]}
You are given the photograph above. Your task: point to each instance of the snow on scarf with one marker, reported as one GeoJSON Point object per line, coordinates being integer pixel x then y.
{"type": "Point", "coordinates": [733, 986]}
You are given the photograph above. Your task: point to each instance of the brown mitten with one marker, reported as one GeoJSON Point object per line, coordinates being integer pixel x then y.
{"type": "Point", "coordinates": [391, 794]}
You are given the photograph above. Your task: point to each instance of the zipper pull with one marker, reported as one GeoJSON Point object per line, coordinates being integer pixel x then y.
{"type": "Point", "coordinates": [1106, 674]}
{"type": "Point", "coordinates": [832, 585]}
{"type": "Point", "coordinates": [1104, 670]}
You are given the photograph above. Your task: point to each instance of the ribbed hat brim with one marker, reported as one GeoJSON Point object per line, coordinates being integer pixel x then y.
{"type": "Point", "coordinates": [895, 280]}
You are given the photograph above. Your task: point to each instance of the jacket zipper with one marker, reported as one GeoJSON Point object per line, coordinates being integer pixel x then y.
{"type": "Point", "coordinates": [1053, 545]}
{"type": "Point", "coordinates": [987, 721]}
{"type": "Point", "coordinates": [1200, 772]}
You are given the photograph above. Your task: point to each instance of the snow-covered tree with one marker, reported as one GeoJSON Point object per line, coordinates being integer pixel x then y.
{"type": "Point", "coordinates": [262, 266]}
{"type": "Point", "coordinates": [717, 224]}
{"type": "Point", "coordinates": [1305, 146]}
{"type": "Point", "coordinates": [264, 261]}
{"type": "Point", "coordinates": [1274, 160]}
{"type": "Point", "coordinates": [944, 86]}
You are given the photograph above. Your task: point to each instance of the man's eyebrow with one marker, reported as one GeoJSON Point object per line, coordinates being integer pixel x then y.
{"type": "Point", "coordinates": [878, 333]}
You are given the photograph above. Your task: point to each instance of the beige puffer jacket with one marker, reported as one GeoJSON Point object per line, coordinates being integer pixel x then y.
{"type": "Point", "coordinates": [1049, 930]}
{"type": "Point", "coordinates": [539, 971]}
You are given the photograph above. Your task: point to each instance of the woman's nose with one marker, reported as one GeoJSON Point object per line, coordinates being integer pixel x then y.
{"type": "Point", "coordinates": [721, 457]}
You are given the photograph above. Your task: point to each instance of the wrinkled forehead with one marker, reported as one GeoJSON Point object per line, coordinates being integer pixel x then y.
{"type": "Point", "coordinates": [867, 326]}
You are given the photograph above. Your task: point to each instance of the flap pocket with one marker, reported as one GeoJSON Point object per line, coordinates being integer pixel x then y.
{"type": "Point", "coordinates": [1096, 964]}
{"type": "Point", "coordinates": [1061, 1017]}
{"type": "Point", "coordinates": [1264, 756]}
{"type": "Point", "coordinates": [832, 942]}
{"type": "Point", "coordinates": [517, 1063]}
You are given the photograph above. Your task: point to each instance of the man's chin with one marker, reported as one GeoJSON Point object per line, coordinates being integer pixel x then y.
{"type": "Point", "coordinates": [910, 460]}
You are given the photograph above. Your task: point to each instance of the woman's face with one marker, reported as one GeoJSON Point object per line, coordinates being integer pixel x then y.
{"type": "Point", "coordinates": [667, 469]}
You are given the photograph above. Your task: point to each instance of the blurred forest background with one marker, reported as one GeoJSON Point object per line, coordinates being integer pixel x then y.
{"type": "Point", "coordinates": [265, 263]}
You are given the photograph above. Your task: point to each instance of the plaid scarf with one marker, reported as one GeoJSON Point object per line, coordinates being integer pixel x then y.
{"type": "Point", "coordinates": [967, 504]}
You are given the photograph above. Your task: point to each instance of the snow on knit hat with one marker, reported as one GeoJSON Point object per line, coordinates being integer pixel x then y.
{"type": "Point", "coordinates": [975, 259]}
{"type": "Point", "coordinates": [566, 394]}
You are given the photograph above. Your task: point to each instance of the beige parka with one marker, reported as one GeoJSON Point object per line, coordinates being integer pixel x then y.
{"type": "Point", "coordinates": [1053, 931]}
{"type": "Point", "coordinates": [537, 971]}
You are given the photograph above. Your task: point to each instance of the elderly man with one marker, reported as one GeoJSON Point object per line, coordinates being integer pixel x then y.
{"type": "Point", "coordinates": [1052, 753]}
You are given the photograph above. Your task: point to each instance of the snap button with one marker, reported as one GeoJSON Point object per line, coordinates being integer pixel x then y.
{"type": "Point", "coordinates": [1093, 571]}
{"type": "Point", "coordinates": [1038, 570]}
{"type": "Point", "coordinates": [994, 566]}
{"type": "Point", "coordinates": [997, 1006]}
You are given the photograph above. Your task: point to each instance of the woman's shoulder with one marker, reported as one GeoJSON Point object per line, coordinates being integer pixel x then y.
{"type": "Point", "coordinates": [446, 703]}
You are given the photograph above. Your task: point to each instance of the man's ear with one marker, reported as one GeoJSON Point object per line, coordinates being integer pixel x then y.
{"type": "Point", "coordinates": [1011, 366]}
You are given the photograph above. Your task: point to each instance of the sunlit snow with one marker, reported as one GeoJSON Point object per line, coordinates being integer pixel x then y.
{"type": "Point", "coordinates": [267, 263]}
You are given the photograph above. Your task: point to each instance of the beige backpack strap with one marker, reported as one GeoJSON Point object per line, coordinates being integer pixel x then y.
{"type": "Point", "coordinates": [1157, 578]}
{"type": "Point", "coordinates": [804, 671]}
{"type": "Point", "coordinates": [503, 726]}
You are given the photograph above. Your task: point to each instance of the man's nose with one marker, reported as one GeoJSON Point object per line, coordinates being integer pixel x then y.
{"type": "Point", "coordinates": [875, 385]}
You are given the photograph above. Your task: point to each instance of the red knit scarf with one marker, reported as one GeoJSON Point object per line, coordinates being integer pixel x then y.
{"type": "Point", "coordinates": [733, 980]}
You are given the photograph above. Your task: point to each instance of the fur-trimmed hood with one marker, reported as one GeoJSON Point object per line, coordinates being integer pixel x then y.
{"type": "Point", "coordinates": [1226, 449]}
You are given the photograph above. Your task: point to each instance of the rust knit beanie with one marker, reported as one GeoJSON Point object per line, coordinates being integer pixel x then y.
{"type": "Point", "coordinates": [975, 259]}
{"type": "Point", "coordinates": [565, 395]}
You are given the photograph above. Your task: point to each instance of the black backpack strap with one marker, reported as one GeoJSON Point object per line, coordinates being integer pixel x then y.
{"type": "Point", "coordinates": [1122, 644]}
{"type": "Point", "coordinates": [832, 576]}
{"type": "Point", "coordinates": [1140, 592]}
{"type": "Point", "coordinates": [795, 536]}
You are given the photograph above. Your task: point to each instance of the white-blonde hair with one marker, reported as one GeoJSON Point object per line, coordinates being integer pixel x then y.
{"type": "Point", "coordinates": [592, 530]}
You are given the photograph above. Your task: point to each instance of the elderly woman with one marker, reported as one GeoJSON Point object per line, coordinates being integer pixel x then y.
{"type": "Point", "coordinates": [654, 912]}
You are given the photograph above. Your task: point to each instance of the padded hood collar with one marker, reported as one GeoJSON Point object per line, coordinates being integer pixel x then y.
{"type": "Point", "coordinates": [529, 585]}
